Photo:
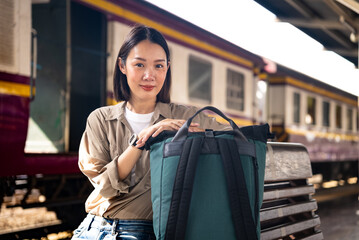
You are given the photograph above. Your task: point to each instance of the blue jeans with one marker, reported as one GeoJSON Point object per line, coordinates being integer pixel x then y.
{"type": "Point", "coordinates": [99, 228]}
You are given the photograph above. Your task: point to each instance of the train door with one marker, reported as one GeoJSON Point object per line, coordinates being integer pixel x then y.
{"type": "Point", "coordinates": [88, 79]}
{"type": "Point", "coordinates": [70, 74]}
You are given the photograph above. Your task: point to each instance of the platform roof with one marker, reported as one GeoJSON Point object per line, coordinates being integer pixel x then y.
{"type": "Point", "coordinates": [333, 23]}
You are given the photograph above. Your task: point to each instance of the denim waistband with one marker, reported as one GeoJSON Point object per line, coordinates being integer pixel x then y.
{"type": "Point", "coordinates": [119, 225]}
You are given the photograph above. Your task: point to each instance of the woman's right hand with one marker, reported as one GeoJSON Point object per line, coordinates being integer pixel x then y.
{"type": "Point", "coordinates": [166, 124]}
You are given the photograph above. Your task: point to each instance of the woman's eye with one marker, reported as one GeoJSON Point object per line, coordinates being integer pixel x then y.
{"type": "Point", "coordinates": [159, 66]}
{"type": "Point", "coordinates": [139, 65]}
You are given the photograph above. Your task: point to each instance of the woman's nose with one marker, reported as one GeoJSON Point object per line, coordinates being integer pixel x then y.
{"type": "Point", "coordinates": [149, 74]}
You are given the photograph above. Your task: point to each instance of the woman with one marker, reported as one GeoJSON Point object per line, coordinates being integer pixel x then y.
{"type": "Point", "coordinates": [110, 152]}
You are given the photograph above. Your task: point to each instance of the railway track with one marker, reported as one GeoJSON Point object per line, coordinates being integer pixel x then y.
{"type": "Point", "coordinates": [55, 232]}
{"type": "Point", "coordinates": [34, 223]}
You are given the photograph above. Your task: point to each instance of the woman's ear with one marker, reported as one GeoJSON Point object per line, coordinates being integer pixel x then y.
{"type": "Point", "coordinates": [121, 65]}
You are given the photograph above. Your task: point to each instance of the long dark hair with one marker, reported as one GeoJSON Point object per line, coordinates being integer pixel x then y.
{"type": "Point", "coordinates": [138, 34]}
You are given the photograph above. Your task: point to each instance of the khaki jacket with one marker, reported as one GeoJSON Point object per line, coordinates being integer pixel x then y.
{"type": "Point", "coordinates": [105, 138]}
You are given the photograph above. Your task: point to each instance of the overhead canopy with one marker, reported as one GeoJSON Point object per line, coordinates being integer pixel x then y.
{"type": "Point", "coordinates": [333, 23]}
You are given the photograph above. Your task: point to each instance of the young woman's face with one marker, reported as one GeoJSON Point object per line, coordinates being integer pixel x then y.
{"type": "Point", "coordinates": [146, 68]}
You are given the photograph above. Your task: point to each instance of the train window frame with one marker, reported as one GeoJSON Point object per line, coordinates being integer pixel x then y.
{"type": "Point", "coordinates": [326, 115]}
{"type": "Point", "coordinates": [233, 89]}
{"type": "Point", "coordinates": [311, 111]}
{"type": "Point", "coordinates": [349, 116]}
{"type": "Point", "coordinates": [338, 119]}
{"type": "Point", "coordinates": [195, 97]}
{"type": "Point", "coordinates": [296, 107]}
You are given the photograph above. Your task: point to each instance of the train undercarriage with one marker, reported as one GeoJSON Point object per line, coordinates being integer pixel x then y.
{"type": "Point", "coordinates": [42, 202]}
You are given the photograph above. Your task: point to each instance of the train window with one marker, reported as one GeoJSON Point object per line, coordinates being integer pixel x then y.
{"type": "Point", "coordinates": [311, 105]}
{"type": "Point", "coordinates": [350, 119]}
{"type": "Point", "coordinates": [326, 114]}
{"type": "Point", "coordinates": [338, 116]}
{"type": "Point", "coordinates": [235, 90]}
{"type": "Point", "coordinates": [296, 108]}
{"type": "Point", "coordinates": [200, 79]}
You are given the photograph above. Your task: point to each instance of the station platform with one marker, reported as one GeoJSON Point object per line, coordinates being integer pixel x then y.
{"type": "Point", "coordinates": [340, 218]}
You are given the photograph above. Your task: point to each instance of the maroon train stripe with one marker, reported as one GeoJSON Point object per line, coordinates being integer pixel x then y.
{"type": "Point", "coordinates": [15, 78]}
{"type": "Point", "coordinates": [14, 116]}
{"type": "Point", "coordinates": [51, 163]}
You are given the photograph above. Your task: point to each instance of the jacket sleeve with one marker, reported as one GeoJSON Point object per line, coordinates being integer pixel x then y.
{"type": "Point", "coordinates": [95, 160]}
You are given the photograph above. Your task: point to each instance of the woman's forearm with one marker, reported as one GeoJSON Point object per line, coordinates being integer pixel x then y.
{"type": "Point", "coordinates": [127, 160]}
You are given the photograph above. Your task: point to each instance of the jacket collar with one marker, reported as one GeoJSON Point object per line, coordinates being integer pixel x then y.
{"type": "Point", "coordinates": [116, 111]}
{"type": "Point", "coordinates": [162, 109]}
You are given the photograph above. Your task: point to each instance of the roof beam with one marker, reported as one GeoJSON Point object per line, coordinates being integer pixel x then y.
{"type": "Point", "coordinates": [351, 4]}
{"type": "Point", "coordinates": [314, 23]}
{"type": "Point", "coordinates": [342, 13]}
{"type": "Point", "coordinates": [337, 38]}
{"type": "Point", "coordinates": [344, 52]}
{"type": "Point", "coordinates": [300, 7]}
{"type": "Point", "coordinates": [307, 12]}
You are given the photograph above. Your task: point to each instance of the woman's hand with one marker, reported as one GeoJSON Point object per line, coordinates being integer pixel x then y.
{"type": "Point", "coordinates": [166, 124]}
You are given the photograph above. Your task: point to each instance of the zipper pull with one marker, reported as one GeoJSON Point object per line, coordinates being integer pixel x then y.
{"type": "Point", "coordinates": [255, 162]}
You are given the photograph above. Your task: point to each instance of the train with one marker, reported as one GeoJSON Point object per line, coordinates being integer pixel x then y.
{"type": "Point", "coordinates": [56, 67]}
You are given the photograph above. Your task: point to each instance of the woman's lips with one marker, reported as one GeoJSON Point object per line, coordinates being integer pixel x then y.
{"type": "Point", "coordinates": [147, 87]}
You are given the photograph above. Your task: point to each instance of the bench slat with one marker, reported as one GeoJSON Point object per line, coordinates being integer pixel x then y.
{"type": "Point", "coordinates": [287, 210]}
{"type": "Point", "coordinates": [283, 231]}
{"type": "Point", "coordinates": [288, 192]}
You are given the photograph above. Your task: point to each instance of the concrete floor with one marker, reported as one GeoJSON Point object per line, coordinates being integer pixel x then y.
{"type": "Point", "coordinates": [340, 218]}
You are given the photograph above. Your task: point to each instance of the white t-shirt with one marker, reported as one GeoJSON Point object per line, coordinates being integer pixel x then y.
{"type": "Point", "coordinates": [138, 121]}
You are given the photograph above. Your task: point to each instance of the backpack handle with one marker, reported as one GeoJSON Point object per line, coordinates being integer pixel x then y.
{"type": "Point", "coordinates": [183, 131]}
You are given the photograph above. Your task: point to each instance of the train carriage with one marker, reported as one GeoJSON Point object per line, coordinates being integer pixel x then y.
{"type": "Point", "coordinates": [77, 43]}
{"type": "Point", "coordinates": [322, 117]}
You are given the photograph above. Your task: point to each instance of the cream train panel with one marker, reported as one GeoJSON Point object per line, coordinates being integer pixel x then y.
{"type": "Point", "coordinates": [179, 70]}
{"type": "Point", "coordinates": [17, 38]}
{"type": "Point", "coordinates": [180, 58]}
{"type": "Point", "coordinates": [276, 105]}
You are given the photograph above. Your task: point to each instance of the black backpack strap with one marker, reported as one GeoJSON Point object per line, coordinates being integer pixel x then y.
{"type": "Point", "coordinates": [182, 133]}
{"type": "Point", "coordinates": [182, 189]}
{"type": "Point", "coordinates": [244, 225]}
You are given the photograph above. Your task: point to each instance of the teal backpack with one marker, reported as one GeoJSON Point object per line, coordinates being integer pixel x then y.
{"type": "Point", "coordinates": [208, 185]}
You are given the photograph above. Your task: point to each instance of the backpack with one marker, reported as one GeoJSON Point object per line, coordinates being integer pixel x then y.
{"type": "Point", "coordinates": [208, 185]}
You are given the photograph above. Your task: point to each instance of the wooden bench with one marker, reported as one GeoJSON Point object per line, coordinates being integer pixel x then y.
{"type": "Point", "coordinates": [288, 210]}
